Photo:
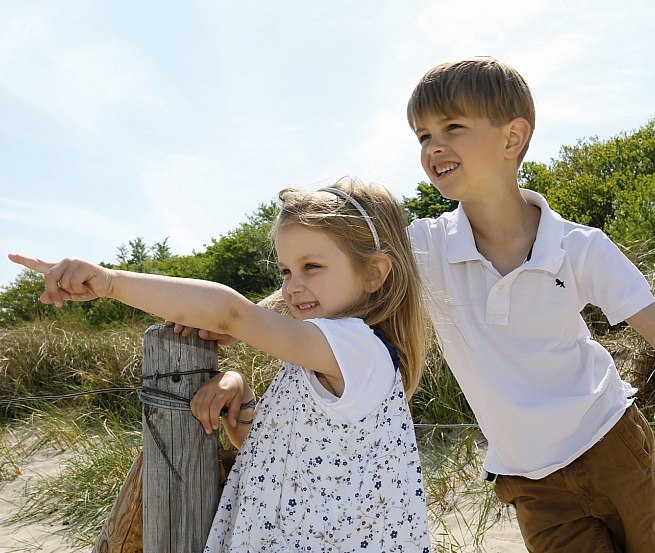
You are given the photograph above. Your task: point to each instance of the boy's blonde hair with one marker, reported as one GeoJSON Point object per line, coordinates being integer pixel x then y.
{"type": "Point", "coordinates": [396, 309]}
{"type": "Point", "coordinates": [477, 87]}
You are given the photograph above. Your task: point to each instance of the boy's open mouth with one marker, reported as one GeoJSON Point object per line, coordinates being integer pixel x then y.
{"type": "Point", "coordinates": [445, 168]}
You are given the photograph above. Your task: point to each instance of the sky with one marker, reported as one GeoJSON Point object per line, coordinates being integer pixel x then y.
{"type": "Point", "coordinates": [176, 120]}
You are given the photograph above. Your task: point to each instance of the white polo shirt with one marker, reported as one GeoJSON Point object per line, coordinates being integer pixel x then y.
{"type": "Point", "coordinates": [542, 390]}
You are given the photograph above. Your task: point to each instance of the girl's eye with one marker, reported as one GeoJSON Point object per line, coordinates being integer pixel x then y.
{"type": "Point", "coordinates": [285, 272]}
{"type": "Point", "coordinates": [310, 266]}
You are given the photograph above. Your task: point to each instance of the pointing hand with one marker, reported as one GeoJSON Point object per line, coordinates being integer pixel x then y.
{"type": "Point", "coordinates": [69, 279]}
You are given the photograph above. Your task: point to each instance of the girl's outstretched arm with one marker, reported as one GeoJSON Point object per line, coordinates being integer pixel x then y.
{"type": "Point", "coordinates": [195, 303]}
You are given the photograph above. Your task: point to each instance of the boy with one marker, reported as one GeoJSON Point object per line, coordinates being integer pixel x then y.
{"type": "Point", "coordinates": [506, 280]}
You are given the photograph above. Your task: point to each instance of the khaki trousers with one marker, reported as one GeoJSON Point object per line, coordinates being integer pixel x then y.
{"type": "Point", "coordinates": [603, 502]}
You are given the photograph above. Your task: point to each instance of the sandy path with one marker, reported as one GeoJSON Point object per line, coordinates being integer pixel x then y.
{"type": "Point", "coordinates": [33, 537]}
{"type": "Point", "coordinates": [502, 537]}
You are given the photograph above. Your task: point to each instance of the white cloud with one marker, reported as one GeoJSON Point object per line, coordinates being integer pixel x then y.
{"type": "Point", "coordinates": [53, 217]}
{"type": "Point", "coordinates": [52, 231]}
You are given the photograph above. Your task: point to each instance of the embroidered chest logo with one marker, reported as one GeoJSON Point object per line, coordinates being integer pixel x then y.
{"type": "Point", "coordinates": [559, 283]}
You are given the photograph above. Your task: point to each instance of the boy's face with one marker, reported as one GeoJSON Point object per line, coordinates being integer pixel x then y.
{"type": "Point", "coordinates": [461, 155]}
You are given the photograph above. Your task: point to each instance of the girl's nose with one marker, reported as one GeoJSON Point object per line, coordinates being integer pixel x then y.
{"type": "Point", "coordinates": [294, 285]}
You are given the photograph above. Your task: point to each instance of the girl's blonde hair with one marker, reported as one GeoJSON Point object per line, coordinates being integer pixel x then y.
{"type": "Point", "coordinates": [396, 309]}
{"type": "Point", "coordinates": [474, 87]}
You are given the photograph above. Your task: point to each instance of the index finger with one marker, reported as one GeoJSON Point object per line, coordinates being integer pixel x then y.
{"type": "Point", "coordinates": [52, 294]}
{"type": "Point", "coordinates": [31, 263]}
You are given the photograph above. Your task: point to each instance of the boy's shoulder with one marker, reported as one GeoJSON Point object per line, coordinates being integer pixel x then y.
{"type": "Point", "coordinates": [554, 231]}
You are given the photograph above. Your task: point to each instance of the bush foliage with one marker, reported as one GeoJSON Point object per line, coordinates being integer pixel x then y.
{"type": "Point", "coordinates": [96, 345]}
{"type": "Point", "coordinates": [608, 184]}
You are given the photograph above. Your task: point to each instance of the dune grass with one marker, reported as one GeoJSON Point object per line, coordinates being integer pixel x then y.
{"type": "Point", "coordinates": [99, 451]}
{"type": "Point", "coordinates": [101, 432]}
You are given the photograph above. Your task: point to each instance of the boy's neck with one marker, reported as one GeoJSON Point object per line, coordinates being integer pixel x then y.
{"type": "Point", "coordinates": [504, 228]}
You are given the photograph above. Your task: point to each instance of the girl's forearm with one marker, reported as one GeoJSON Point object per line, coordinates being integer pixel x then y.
{"type": "Point", "coordinates": [191, 302]}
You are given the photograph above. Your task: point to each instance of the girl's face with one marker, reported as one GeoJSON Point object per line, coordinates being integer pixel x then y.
{"type": "Point", "coordinates": [319, 280]}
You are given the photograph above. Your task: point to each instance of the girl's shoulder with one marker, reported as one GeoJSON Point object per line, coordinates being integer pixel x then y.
{"type": "Point", "coordinates": [366, 366]}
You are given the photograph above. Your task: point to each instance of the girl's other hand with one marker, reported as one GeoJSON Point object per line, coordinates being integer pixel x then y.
{"type": "Point", "coordinates": [224, 389]}
{"type": "Point", "coordinates": [222, 339]}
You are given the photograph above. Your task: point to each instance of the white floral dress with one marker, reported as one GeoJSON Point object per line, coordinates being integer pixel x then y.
{"type": "Point", "coordinates": [303, 482]}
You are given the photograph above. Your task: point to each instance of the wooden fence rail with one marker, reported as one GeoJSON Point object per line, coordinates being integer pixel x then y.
{"type": "Point", "coordinates": [170, 495]}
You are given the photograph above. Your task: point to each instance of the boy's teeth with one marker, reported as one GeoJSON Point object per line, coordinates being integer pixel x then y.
{"type": "Point", "coordinates": [445, 168]}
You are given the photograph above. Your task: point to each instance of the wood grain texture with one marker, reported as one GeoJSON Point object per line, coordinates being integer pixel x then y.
{"type": "Point", "coordinates": [180, 462]}
{"type": "Point", "coordinates": [122, 531]}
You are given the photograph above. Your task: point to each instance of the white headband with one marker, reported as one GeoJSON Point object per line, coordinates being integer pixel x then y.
{"type": "Point", "coordinates": [362, 212]}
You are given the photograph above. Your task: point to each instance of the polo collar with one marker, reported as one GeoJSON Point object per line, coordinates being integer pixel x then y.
{"type": "Point", "coordinates": [547, 252]}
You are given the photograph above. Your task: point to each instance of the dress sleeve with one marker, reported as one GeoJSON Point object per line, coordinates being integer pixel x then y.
{"type": "Point", "coordinates": [365, 364]}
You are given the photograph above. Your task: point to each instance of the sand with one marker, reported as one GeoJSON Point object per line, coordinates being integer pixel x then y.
{"type": "Point", "coordinates": [502, 537]}
{"type": "Point", "coordinates": [45, 538]}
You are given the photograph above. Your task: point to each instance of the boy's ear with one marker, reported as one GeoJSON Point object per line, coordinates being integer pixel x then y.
{"type": "Point", "coordinates": [518, 133]}
{"type": "Point", "coordinates": [378, 271]}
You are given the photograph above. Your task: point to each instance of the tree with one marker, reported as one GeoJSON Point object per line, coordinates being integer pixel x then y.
{"type": "Point", "coordinates": [634, 213]}
{"type": "Point", "coordinates": [242, 259]}
{"type": "Point", "coordinates": [161, 250]}
{"type": "Point", "coordinates": [139, 251]}
{"type": "Point", "coordinates": [20, 300]}
{"type": "Point", "coordinates": [123, 255]}
{"type": "Point", "coordinates": [428, 202]}
{"type": "Point", "coordinates": [604, 184]}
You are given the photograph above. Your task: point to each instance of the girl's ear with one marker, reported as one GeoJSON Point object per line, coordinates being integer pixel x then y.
{"type": "Point", "coordinates": [378, 271]}
{"type": "Point", "coordinates": [518, 134]}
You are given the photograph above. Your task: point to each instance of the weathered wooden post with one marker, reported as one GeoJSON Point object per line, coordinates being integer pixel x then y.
{"type": "Point", "coordinates": [170, 494]}
{"type": "Point", "coordinates": [122, 531]}
{"type": "Point", "coordinates": [180, 463]}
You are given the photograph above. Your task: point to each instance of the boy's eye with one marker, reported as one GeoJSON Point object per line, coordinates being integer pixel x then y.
{"type": "Point", "coordinates": [453, 126]}
{"type": "Point", "coordinates": [422, 138]}
{"type": "Point", "coordinates": [284, 272]}
{"type": "Point", "coordinates": [309, 266]}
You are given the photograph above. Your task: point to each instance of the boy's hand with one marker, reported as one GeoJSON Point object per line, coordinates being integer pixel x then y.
{"type": "Point", "coordinates": [224, 389]}
{"type": "Point", "coordinates": [222, 339]}
{"type": "Point", "coordinates": [70, 279]}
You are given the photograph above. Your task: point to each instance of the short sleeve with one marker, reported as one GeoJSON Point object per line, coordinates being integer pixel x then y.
{"type": "Point", "coordinates": [365, 364]}
{"type": "Point", "coordinates": [612, 282]}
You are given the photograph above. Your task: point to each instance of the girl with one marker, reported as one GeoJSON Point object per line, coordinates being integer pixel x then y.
{"type": "Point", "coordinates": [328, 462]}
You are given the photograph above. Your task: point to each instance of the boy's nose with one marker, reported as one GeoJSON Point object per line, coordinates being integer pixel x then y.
{"type": "Point", "coordinates": [435, 147]}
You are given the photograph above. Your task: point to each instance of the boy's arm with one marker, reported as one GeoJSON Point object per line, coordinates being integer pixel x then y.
{"type": "Point", "coordinates": [644, 323]}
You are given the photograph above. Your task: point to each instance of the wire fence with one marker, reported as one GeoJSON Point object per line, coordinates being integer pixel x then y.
{"type": "Point", "coordinates": [158, 398]}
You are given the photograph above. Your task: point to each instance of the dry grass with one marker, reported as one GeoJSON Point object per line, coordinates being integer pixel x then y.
{"type": "Point", "coordinates": [102, 431]}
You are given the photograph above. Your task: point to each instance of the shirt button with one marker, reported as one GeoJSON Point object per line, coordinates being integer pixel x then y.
{"type": "Point", "coordinates": [500, 289]}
